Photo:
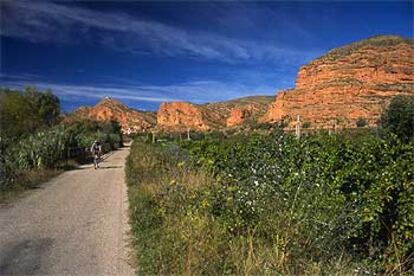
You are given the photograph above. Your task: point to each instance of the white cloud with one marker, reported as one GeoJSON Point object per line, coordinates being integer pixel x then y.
{"type": "Point", "coordinates": [39, 21]}
{"type": "Point", "coordinates": [195, 91]}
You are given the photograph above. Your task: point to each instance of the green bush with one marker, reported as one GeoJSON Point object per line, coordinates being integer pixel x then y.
{"type": "Point", "coordinates": [24, 112]}
{"type": "Point", "coordinates": [296, 205]}
{"type": "Point", "coordinates": [46, 149]}
{"type": "Point", "coordinates": [399, 117]}
{"type": "Point", "coordinates": [361, 122]}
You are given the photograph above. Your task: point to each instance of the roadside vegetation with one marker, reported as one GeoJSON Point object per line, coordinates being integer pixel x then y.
{"type": "Point", "coordinates": [340, 204]}
{"type": "Point", "coordinates": [36, 143]}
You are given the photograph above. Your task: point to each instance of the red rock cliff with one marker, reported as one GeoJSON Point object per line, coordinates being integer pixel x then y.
{"type": "Point", "coordinates": [131, 120]}
{"type": "Point", "coordinates": [351, 82]}
{"type": "Point", "coordinates": [178, 116]}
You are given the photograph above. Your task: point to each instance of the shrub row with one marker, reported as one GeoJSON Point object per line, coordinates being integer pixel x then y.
{"type": "Point", "coordinates": [47, 148]}
{"type": "Point", "coordinates": [324, 204]}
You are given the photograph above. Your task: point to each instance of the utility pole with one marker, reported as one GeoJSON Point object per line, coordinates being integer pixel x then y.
{"type": "Point", "coordinates": [153, 137]}
{"type": "Point", "coordinates": [298, 127]}
{"type": "Point", "coordinates": [188, 134]}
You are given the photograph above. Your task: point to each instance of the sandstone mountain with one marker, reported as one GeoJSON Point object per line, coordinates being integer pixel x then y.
{"type": "Point", "coordinates": [131, 120]}
{"type": "Point", "coordinates": [180, 116]}
{"type": "Point", "coordinates": [348, 84]}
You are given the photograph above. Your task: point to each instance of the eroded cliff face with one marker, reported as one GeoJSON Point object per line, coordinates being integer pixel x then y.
{"type": "Point", "coordinates": [237, 117]}
{"type": "Point", "coordinates": [131, 120]}
{"type": "Point", "coordinates": [180, 116]}
{"type": "Point", "coordinates": [349, 83]}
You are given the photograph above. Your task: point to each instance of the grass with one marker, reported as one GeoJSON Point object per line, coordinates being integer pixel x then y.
{"type": "Point", "coordinates": [32, 179]}
{"type": "Point", "coordinates": [377, 41]}
{"type": "Point", "coordinates": [169, 238]}
{"type": "Point", "coordinates": [176, 232]}
{"type": "Point", "coordinates": [25, 181]}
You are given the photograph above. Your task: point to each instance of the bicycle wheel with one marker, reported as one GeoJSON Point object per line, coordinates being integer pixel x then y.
{"type": "Point", "coordinates": [95, 162]}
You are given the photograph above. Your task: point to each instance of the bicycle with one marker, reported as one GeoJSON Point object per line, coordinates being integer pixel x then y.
{"type": "Point", "coordinates": [96, 160]}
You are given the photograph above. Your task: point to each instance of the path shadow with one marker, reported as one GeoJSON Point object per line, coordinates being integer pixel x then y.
{"type": "Point", "coordinates": [110, 167]}
{"type": "Point", "coordinates": [24, 257]}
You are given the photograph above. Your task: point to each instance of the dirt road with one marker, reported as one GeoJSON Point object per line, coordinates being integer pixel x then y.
{"type": "Point", "coordinates": [74, 225]}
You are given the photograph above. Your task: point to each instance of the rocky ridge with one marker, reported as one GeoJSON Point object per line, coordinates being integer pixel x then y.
{"type": "Point", "coordinates": [180, 116]}
{"type": "Point", "coordinates": [348, 84]}
{"type": "Point", "coordinates": [131, 120]}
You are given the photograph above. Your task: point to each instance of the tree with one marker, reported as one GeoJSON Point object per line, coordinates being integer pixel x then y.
{"type": "Point", "coordinates": [361, 122]}
{"type": "Point", "coordinates": [15, 114]}
{"type": "Point", "coordinates": [399, 117]}
{"type": "Point", "coordinates": [25, 112]}
{"type": "Point", "coordinates": [46, 106]}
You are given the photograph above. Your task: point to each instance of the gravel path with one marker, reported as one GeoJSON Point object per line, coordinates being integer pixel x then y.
{"type": "Point", "coordinates": [76, 224]}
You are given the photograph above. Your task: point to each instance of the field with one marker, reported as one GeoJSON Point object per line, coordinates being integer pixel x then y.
{"type": "Point", "coordinates": [273, 204]}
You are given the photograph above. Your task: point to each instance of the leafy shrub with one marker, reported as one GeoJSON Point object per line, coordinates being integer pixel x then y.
{"type": "Point", "coordinates": [361, 122]}
{"type": "Point", "coordinates": [22, 113]}
{"type": "Point", "coordinates": [399, 117]}
{"type": "Point", "coordinates": [306, 125]}
{"type": "Point", "coordinates": [296, 205]}
{"type": "Point", "coordinates": [46, 149]}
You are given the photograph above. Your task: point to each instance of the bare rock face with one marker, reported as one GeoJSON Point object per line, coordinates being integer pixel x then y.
{"type": "Point", "coordinates": [131, 120]}
{"type": "Point", "coordinates": [349, 83]}
{"type": "Point", "coordinates": [237, 117]}
{"type": "Point", "coordinates": [179, 116]}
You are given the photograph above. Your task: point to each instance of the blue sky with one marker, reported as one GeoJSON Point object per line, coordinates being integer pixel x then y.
{"type": "Point", "coordinates": [144, 53]}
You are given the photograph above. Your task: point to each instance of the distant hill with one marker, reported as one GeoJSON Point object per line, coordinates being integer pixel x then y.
{"type": "Point", "coordinates": [131, 120]}
{"type": "Point", "coordinates": [179, 116]}
{"type": "Point", "coordinates": [348, 84]}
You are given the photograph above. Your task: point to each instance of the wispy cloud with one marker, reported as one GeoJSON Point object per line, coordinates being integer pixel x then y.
{"type": "Point", "coordinates": [96, 92]}
{"type": "Point", "coordinates": [40, 21]}
{"type": "Point", "coordinates": [195, 91]}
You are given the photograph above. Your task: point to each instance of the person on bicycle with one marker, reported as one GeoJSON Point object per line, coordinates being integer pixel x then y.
{"type": "Point", "coordinates": [96, 151]}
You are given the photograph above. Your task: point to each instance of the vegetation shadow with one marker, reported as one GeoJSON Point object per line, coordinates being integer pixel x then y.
{"type": "Point", "coordinates": [110, 167]}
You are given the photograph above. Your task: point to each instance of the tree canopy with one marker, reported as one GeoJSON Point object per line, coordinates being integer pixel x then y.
{"type": "Point", "coordinates": [23, 112]}
{"type": "Point", "coordinates": [399, 117]}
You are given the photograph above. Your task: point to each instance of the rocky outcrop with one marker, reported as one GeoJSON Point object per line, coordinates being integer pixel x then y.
{"type": "Point", "coordinates": [349, 83]}
{"type": "Point", "coordinates": [237, 117]}
{"type": "Point", "coordinates": [180, 116]}
{"type": "Point", "coordinates": [131, 120]}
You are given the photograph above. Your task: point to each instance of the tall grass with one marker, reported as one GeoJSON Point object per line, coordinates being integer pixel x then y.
{"type": "Point", "coordinates": [179, 229]}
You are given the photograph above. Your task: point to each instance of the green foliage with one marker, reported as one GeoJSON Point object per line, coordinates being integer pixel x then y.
{"type": "Point", "coordinates": [46, 149]}
{"type": "Point", "coordinates": [361, 122]}
{"type": "Point", "coordinates": [399, 117]}
{"type": "Point", "coordinates": [296, 205]}
{"type": "Point", "coordinates": [23, 113]}
{"type": "Point", "coordinates": [40, 150]}
{"type": "Point", "coordinates": [306, 125]}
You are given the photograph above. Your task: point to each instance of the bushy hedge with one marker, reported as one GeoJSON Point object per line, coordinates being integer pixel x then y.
{"type": "Point", "coordinates": [47, 149]}
{"type": "Point", "coordinates": [311, 204]}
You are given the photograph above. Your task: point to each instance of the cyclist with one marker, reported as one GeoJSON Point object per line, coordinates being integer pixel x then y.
{"type": "Point", "coordinates": [96, 151]}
